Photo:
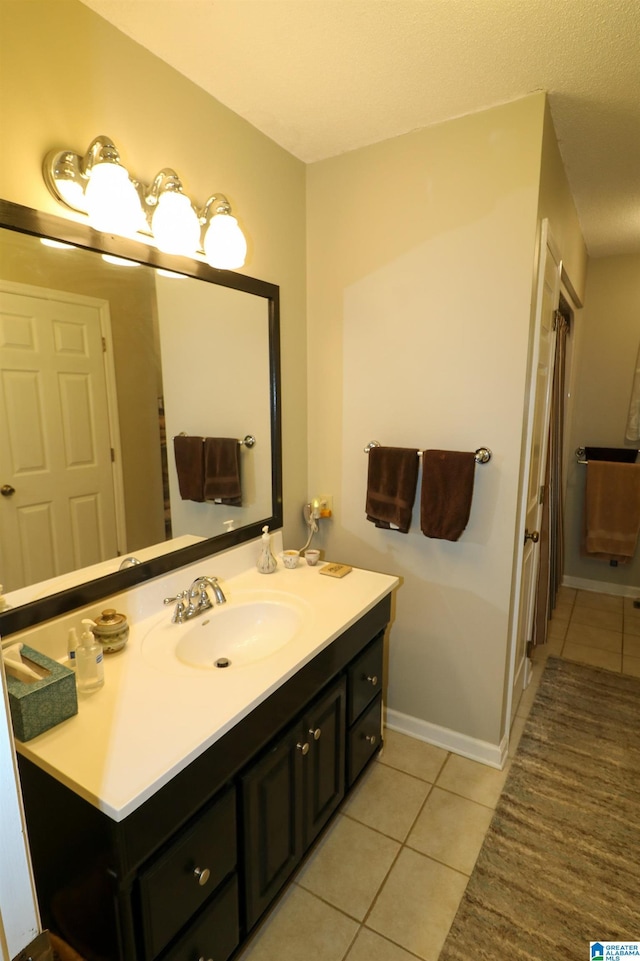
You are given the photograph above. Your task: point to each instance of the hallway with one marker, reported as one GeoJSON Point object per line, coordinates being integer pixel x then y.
{"type": "Point", "coordinates": [385, 881]}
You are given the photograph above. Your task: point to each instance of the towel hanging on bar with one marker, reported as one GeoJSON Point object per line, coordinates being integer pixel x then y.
{"type": "Point", "coordinates": [447, 491]}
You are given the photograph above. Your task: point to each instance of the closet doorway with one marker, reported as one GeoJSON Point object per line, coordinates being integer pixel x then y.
{"type": "Point", "coordinates": [551, 565]}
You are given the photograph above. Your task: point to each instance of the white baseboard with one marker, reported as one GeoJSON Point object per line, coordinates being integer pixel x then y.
{"type": "Point", "coordinates": [601, 587]}
{"type": "Point", "coordinates": [493, 755]}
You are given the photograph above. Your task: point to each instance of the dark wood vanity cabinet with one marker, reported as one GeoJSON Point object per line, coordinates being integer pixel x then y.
{"type": "Point", "coordinates": [189, 873]}
{"type": "Point", "coordinates": [289, 795]}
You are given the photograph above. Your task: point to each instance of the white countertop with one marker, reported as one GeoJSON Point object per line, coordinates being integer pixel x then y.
{"type": "Point", "coordinates": [153, 717]}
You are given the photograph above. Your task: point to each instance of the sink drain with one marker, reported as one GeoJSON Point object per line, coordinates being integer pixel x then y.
{"type": "Point", "coordinates": [222, 662]}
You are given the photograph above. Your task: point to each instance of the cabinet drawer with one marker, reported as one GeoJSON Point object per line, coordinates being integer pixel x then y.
{"type": "Point", "coordinates": [364, 739]}
{"type": "Point", "coordinates": [215, 934]}
{"type": "Point", "coordinates": [176, 884]}
{"type": "Point", "coordinates": [365, 678]}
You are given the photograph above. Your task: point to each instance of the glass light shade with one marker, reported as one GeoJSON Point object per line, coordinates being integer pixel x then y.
{"type": "Point", "coordinates": [71, 191]}
{"type": "Point", "coordinates": [111, 200]}
{"type": "Point", "coordinates": [175, 224]}
{"type": "Point", "coordinates": [225, 246]}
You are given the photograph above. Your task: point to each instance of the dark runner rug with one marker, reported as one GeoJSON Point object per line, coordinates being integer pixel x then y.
{"type": "Point", "coordinates": [560, 865]}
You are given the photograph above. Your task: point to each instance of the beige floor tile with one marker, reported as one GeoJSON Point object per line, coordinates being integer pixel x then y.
{"type": "Point", "coordinates": [632, 622]}
{"type": "Point", "coordinates": [349, 866]}
{"type": "Point", "coordinates": [631, 665]}
{"type": "Point", "coordinates": [451, 830]}
{"type": "Point", "coordinates": [369, 946]}
{"type": "Point", "coordinates": [594, 637]}
{"type": "Point", "coordinates": [472, 780]}
{"type": "Point", "coordinates": [563, 610]}
{"type": "Point", "coordinates": [515, 734]}
{"type": "Point", "coordinates": [412, 756]}
{"type": "Point", "coordinates": [557, 629]}
{"type": "Point", "coordinates": [598, 602]}
{"type": "Point", "coordinates": [417, 904]}
{"type": "Point", "coordinates": [591, 617]}
{"type": "Point", "coordinates": [387, 800]}
{"type": "Point", "coordinates": [595, 656]}
{"type": "Point", "coordinates": [300, 927]}
{"type": "Point", "coordinates": [553, 647]}
{"type": "Point", "coordinates": [631, 645]}
{"type": "Point", "coordinates": [566, 593]}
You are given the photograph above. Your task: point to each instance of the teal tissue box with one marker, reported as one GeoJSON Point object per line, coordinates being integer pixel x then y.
{"type": "Point", "coordinates": [38, 705]}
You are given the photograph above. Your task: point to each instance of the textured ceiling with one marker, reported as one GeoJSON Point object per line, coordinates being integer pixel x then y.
{"type": "Point", "coordinates": [321, 77]}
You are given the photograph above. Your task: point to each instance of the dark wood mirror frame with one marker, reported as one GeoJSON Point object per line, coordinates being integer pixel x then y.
{"type": "Point", "coordinates": [28, 221]}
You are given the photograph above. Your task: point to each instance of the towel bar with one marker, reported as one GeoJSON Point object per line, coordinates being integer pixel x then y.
{"type": "Point", "coordinates": [581, 454]}
{"type": "Point", "coordinates": [247, 441]}
{"type": "Point", "coordinates": [482, 455]}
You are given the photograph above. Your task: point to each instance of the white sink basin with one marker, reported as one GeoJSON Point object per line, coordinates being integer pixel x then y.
{"type": "Point", "coordinates": [248, 628]}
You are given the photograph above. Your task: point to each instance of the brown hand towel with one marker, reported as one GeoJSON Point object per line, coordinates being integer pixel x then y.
{"type": "Point", "coordinates": [447, 490]}
{"type": "Point", "coordinates": [612, 510]}
{"type": "Point", "coordinates": [391, 486]}
{"type": "Point", "coordinates": [189, 456]}
{"type": "Point", "coordinates": [222, 471]}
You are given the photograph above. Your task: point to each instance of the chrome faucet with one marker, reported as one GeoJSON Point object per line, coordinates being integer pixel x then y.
{"type": "Point", "coordinates": [196, 600]}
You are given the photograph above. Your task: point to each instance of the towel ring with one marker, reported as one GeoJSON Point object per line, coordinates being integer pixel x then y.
{"type": "Point", "coordinates": [482, 455]}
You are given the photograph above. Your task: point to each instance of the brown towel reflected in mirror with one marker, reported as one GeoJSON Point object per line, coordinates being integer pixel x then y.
{"type": "Point", "coordinates": [222, 471]}
{"type": "Point", "coordinates": [189, 453]}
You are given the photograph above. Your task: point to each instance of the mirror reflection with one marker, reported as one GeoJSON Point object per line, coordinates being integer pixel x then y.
{"type": "Point", "coordinates": [104, 363]}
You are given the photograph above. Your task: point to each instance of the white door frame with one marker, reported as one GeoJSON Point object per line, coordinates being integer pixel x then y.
{"type": "Point", "coordinates": [546, 243]}
{"type": "Point", "coordinates": [102, 306]}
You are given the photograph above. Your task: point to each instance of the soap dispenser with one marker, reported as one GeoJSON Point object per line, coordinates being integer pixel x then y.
{"type": "Point", "coordinates": [267, 563]}
{"type": "Point", "coordinates": [89, 660]}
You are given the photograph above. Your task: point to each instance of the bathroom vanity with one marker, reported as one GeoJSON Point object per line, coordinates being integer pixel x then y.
{"type": "Point", "coordinates": [164, 820]}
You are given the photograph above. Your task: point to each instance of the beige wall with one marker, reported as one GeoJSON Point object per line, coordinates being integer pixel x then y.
{"type": "Point", "coordinates": [420, 271]}
{"type": "Point", "coordinates": [67, 76]}
{"type": "Point", "coordinates": [609, 341]}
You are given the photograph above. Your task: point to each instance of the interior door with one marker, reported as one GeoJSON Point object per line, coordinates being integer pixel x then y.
{"type": "Point", "coordinates": [57, 509]}
{"type": "Point", "coordinates": [541, 382]}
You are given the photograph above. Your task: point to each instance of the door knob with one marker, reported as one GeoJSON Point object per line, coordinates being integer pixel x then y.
{"type": "Point", "coordinates": [7, 490]}
{"type": "Point", "coordinates": [531, 536]}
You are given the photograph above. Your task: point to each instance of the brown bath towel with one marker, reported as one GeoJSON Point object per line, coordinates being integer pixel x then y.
{"type": "Point", "coordinates": [447, 490]}
{"type": "Point", "coordinates": [612, 510]}
{"type": "Point", "coordinates": [391, 486]}
{"type": "Point", "coordinates": [222, 471]}
{"type": "Point", "coordinates": [189, 454]}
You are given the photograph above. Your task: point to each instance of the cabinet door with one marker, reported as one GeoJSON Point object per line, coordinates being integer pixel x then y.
{"type": "Point", "coordinates": [324, 764]}
{"type": "Point", "coordinates": [272, 799]}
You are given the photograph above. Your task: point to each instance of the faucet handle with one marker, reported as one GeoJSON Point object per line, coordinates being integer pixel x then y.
{"type": "Point", "coordinates": [180, 611]}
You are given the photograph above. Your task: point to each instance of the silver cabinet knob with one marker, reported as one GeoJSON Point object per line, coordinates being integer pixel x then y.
{"type": "Point", "coordinates": [201, 875]}
{"type": "Point", "coordinates": [372, 679]}
{"type": "Point", "coordinates": [303, 748]}
{"type": "Point", "coordinates": [315, 733]}
{"type": "Point", "coordinates": [531, 536]}
{"type": "Point", "coordinates": [370, 738]}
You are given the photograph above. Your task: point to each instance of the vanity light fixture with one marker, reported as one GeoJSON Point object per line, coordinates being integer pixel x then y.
{"type": "Point", "coordinates": [98, 185]}
{"type": "Point", "coordinates": [224, 243]}
{"type": "Point", "coordinates": [173, 220]}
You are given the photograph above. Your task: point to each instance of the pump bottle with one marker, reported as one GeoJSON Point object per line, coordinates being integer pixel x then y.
{"type": "Point", "coordinates": [89, 660]}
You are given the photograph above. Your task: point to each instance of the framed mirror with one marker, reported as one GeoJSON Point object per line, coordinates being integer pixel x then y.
{"type": "Point", "coordinates": [114, 358]}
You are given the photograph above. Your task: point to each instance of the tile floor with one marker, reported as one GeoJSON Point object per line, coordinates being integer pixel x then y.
{"type": "Point", "coordinates": [385, 880]}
